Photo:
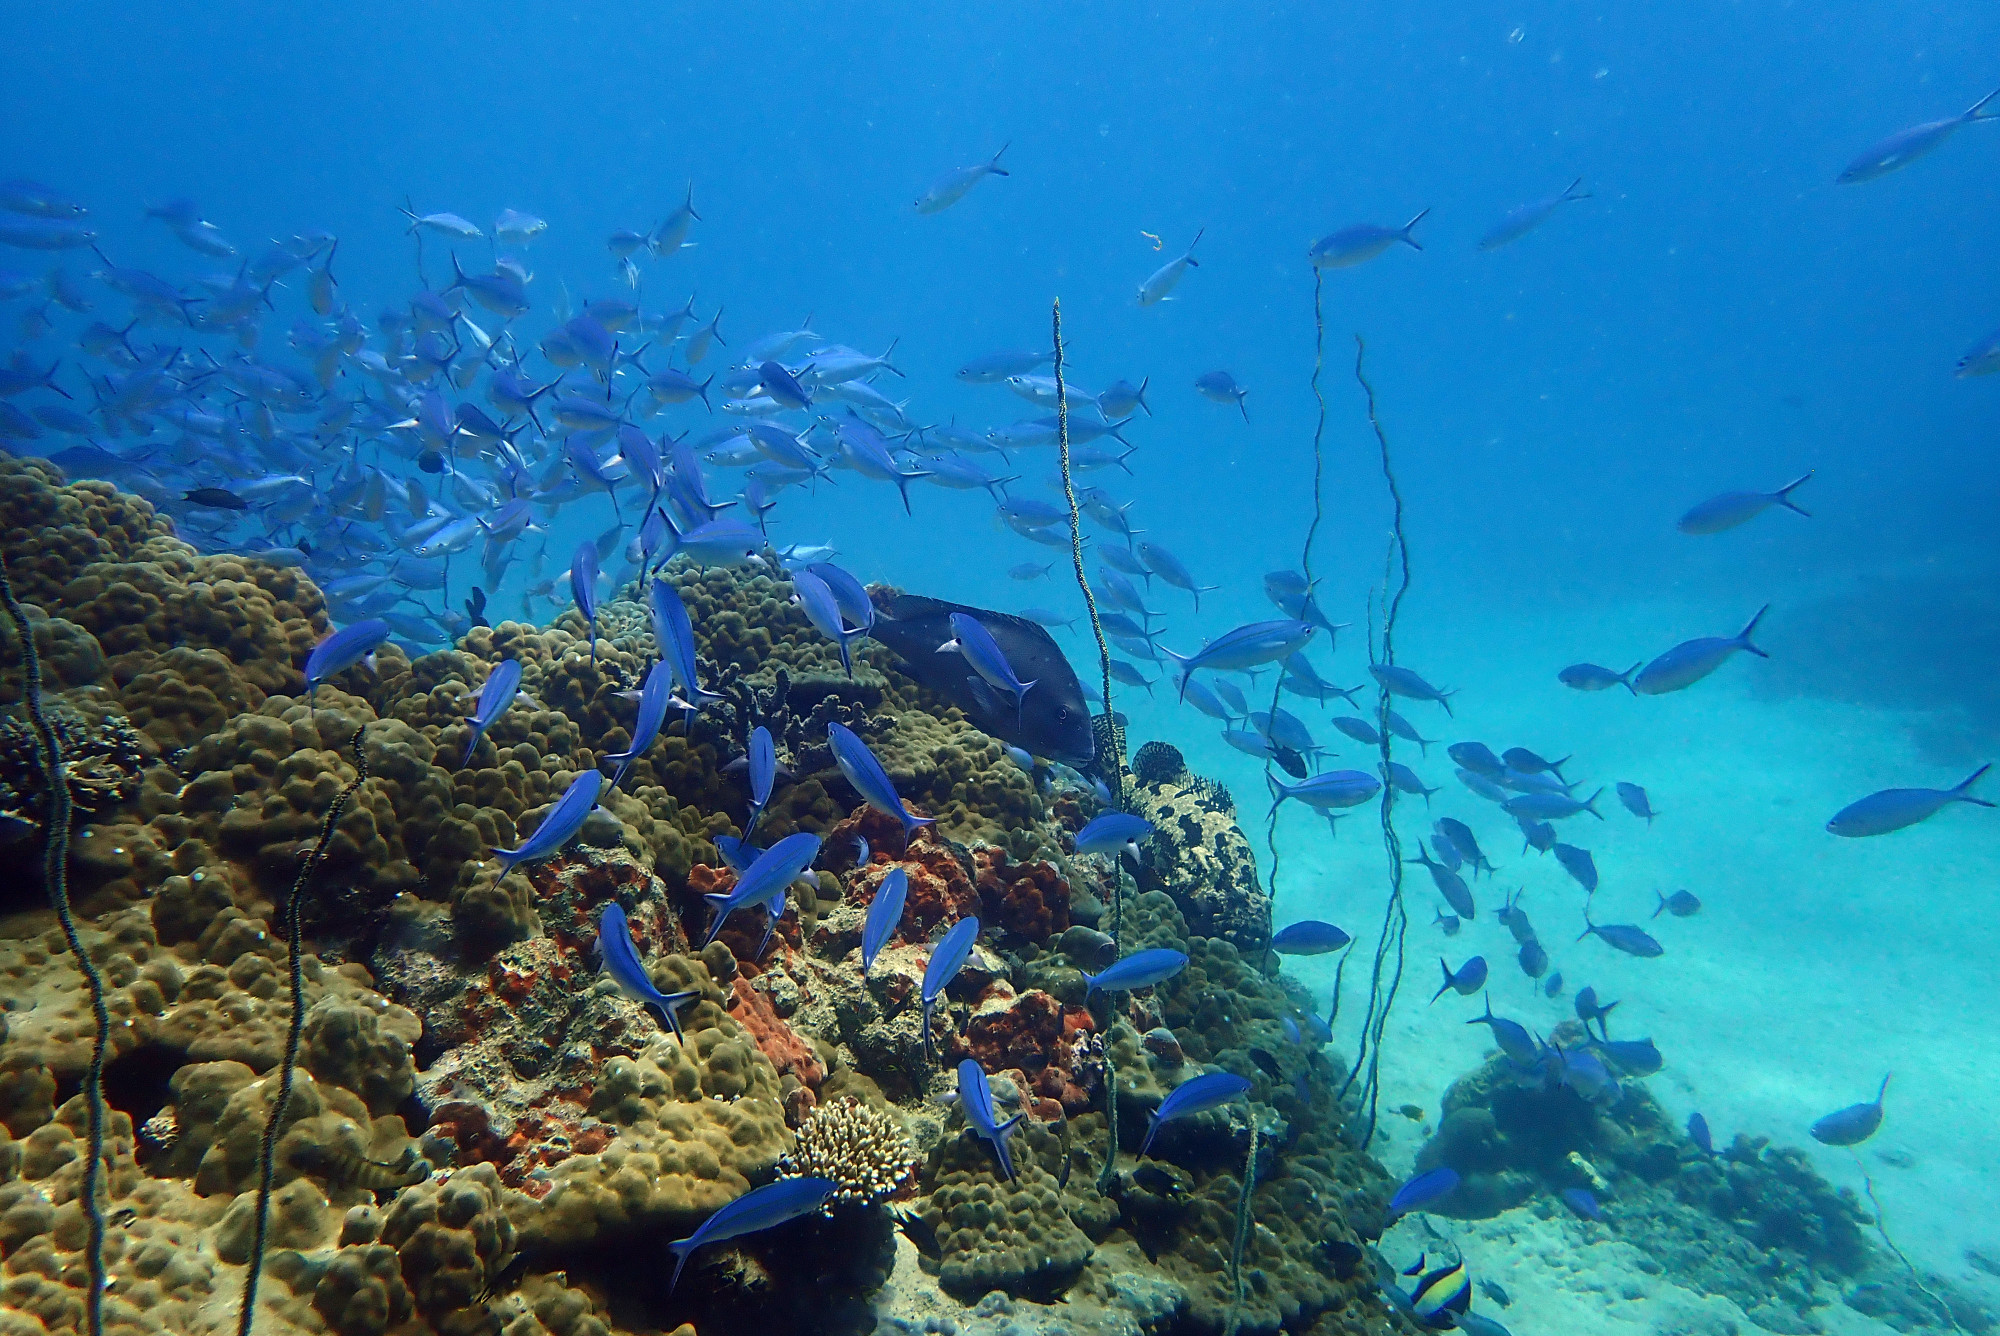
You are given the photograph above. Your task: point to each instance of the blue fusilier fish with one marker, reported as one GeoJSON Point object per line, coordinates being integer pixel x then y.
{"type": "Point", "coordinates": [345, 648]}
{"type": "Point", "coordinates": [947, 959]}
{"type": "Point", "coordinates": [1210, 1090]}
{"type": "Point", "coordinates": [583, 588]}
{"type": "Point", "coordinates": [1854, 1124]}
{"type": "Point", "coordinates": [1114, 833]}
{"type": "Point", "coordinates": [496, 693]}
{"type": "Point", "coordinates": [885, 912]}
{"type": "Point", "coordinates": [823, 611]}
{"type": "Point", "coordinates": [1906, 146]}
{"type": "Point", "coordinates": [1525, 219]}
{"type": "Point", "coordinates": [1636, 801]}
{"type": "Point", "coordinates": [654, 698]}
{"type": "Point", "coordinates": [972, 640]}
{"type": "Point", "coordinates": [1720, 513]}
{"type": "Point", "coordinates": [762, 762]}
{"type": "Point", "coordinates": [675, 636]}
{"type": "Point", "coordinates": [1162, 281]}
{"type": "Point", "coordinates": [1893, 809]}
{"type": "Point", "coordinates": [1441, 1296]}
{"type": "Point", "coordinates": [1245, 647]}
{"type": "Point", "coordinates": [855, 606]}
{"type": "Point", "coordinates": [621, 962]}
{"type": "Point", "coordinates": [782, 388]}
{"type": "Point", "coordinates": [1590, 677]}
{"type": "Point", "coordinates": [950, 188]}
{"type": "Point", "coordinates": [1550, 806]}
{"type": "Point", "coordinates": [1698, 1133]}
{"type": "Point", "coordinates": [1449, 884]}
{"type": "Point", "coordinates": [1583, 1203]}
{"type": "Point", "coordinates": [1361, 242]}
{"type": "Point", "coordinates": [1468, 979]}
{"type": "Point", "coordinates": [975, 1097]}
{"type": "Point", "coordinates": [1424, 1189]}
{"type": "Point", "coordinates": [764, 882]}
{"type": "Point", "coordinates": [757, 1210]}
{"type": "Point", "coordinates": [1141, 969]}
{"type": "Point", "coordinates": [1308, 937]}
{"type": "Point", "coordinates": [1400, 681]}
{"type": "Point", "coordinates": [869, 779]}
{"type": "Point", "coordinates": [1332, 790]}
{"type": "Point", "coordinates": [562, 822]}
{"type": "Point", "coordinates": [1627, 937]}
{"type": "Point", "coordinates": [1691, 660]}
{"type": "Point", "coordinates": [1511, 1037]}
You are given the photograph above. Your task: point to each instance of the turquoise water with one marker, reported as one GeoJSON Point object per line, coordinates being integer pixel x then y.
{"type": "Point", "coordinates": [1718, 314]}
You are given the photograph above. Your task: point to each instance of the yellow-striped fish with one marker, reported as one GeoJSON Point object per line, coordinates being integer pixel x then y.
{"type": "Point", "coordinates": [1442, 1295]}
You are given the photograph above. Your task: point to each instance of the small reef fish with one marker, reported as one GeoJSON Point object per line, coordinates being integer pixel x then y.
{"type": "Point", "coordinates": [1334, 789]}
{"type": "Point", "coordinates": [1699, 1134]}
{"type": "Point", "coordinates": [1308, 937]}
{"type": "Point", "coordinates": [1476, 757]}
{"type": "Point", "coordinates": [1553, 985]}
{"type": "Point", "coordinates": [216, 498]}
{"type": "Point", "coordinates": [583, 588]}
{"type": "Point", "coordinates": [496, 694]}
{"type": "Point", "coordinates": [1588, 1010]}
{"type": "Point", "coordinates": [1590, 677]}
{"type": "Point", "coordinates": [869, 779]}
{"type": "Point", "coordinates": [1893, 809]}
{"type": "Point", "coordinates": [1854, 1124]}
{"type": "Point", "coordinates": [1199, 1094]}
{"type": "Point", "coordinates": [817, 601]}
{"type": "Point", "coordinates": [885, 912]}
{"type": "Point", "coordinates": [621, 962]}
{"type": "Point", "coordinates": [1114, 833]}
{"type": "Point", "coordinates": [1162, 281]}
{"type": "Point", "coordinates": [765, 881]}
{"type": "Point", "coordinates": [1579, 864]}
{"type": "Point", "coordinates": [1636, 801]}
{"type": "Point", "coordinates": [1583, 1203]}
{"type": "Point", "coordinates": [654, 698]}
{"type": "Point", "coordinates": [1141, 969]}
{"type": "Point", "coordinates": [950, 188]}
{"type": "Point", "coordinates": [1627, 937]}
{"type": "Point", "coordinates": [1511, 1037]}
{"type": "Point", "coordinates": [1721, 513]}
{"type": "Point", "coordinates": [1440, 1296]}
{"type": "Point", "coordinates": [562, 822]}
{"type": "Point", "coordinates": [1221, 387]}
{"type": "Point", "coordinates": [975, 1096]}
{"type": "Point", "coordinates": [762, 763]}
{"type": "Point", "coordinates": [1533, 958]}
{"type": "Point", "coordinates": [757, 1210]}
{"type": "Point", "coordinates": [1637, 1057]}
{"type": "Point", "coordinates": [1681, 904]}
{"type": "Point", "coordinates": [1518, 222]}
{"type": "Point", "coordinates": [1362, 242]}
{"type": "Point", "coordinates": [1466, 980]}
{"type": "Point", "coordinates": [947, 959]}
{"type": "Point", "coordinates": [1427, 1187]}
{"type": "Point", "coordinates": [345, 648]}
{"type": "Point", "coordinates": [1906, 146]}
{"type": "Point", "coordinates": [1550, 806]}
{"type": "Point", "coordinates": [674, 633]}
{"type": "Point", "coordinates": [1692, 660]}
{"type": "Point", "coordinates": [1400, 681]}
{"type": "Point", "coordinates": [1449, 884]}
{"type": "Point", "coordinates": [983, 653]}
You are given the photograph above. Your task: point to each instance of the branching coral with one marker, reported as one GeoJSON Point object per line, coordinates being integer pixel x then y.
{"type": "Point", "coordinates": [862, 1148]}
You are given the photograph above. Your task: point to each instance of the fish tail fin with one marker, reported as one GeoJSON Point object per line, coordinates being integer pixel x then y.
{"type": "Point", "coordinates": [1784, 494]}
{"type": "Point", "coordinates": [1978, 112]}
{"type": "Point", "coordinates": [1743, 638]}
{"type": "Point", "coordinates": [1241, 395]}
{"type": "Point", "coordinates": [1444, 699]}
{"type": "Point", "coordinates": [1446, 985]}
{"type": "Point", "coordinates": [1144, 381]}
{"type": "Point", "coordinates": [471, 744]}
{"type": "Point", "coordinates": [457, 274]}
{"type": "Point", "coordinates": [1661, 897]}
{"type": "Point", "coordinates": [1626, 676]}
{"type": "Point", "coordinates": [1278, 791]}
{"type": "Point", "coordinates": [1590, 805]}
{"type": "Point", "coordinates": [682, 1250]}
{"type": "Point", "coordinates": [1408, 235]}
{"type": "Point", "coordinates": [1573, 193]}
{"type": "Point", "coordinates": [1884, 1088]}
{"type": "Point", "coordinates": [1152, 1130]}
{"type": "Point", "coordinates": [993, 166]}
{"type": "Point", "coordinates": [1963, 790]}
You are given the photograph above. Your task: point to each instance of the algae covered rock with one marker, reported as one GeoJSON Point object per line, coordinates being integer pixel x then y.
{"type": "Point", "coordinates": [996, 1233]}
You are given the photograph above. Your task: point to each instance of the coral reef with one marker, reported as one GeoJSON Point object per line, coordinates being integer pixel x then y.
{"type": "Point", "coordinates": [483, 1128]}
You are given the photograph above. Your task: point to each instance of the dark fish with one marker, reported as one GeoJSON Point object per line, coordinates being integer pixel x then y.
{"type": "Point", "coordinates": [1590, 677]}
{"type": "Point", "coordinates": [1491, 1289]}
{"type": "Point", "coordinates": [1627, 937]}
{"type": "Point", "coordinates": [1515, 918]}
{"type": "Point", "coordinates": [430, 461]}
{"type": "Point", "coordinates": [1290, 761]}
{"type": "Point", "coordinates": [1553, 985]}
{"type": "Point", "coordinates": [1534, 959]}
{"type": "Point", "coordinates": [1477, 757]}
{"type": "Point", "coordinates": [1636, 802]}
{"type": "Point", "coordinates": [344, 1168]}
{"type": "Point", "coordinates": [1636, 1057]}
{"type": "Point", "coordinates": [1852, 1125]}
{"type": "Point", "coordinates": [1537, 835]}
{"type": "Point", "coordinates": [1462, 837]}
{"type": "Point", "coordinates": [1893, 809]}
{"type": "Point", "coordinates": [1582, 1202]}
{"type": "Point", "coordinates": [1588, 1010]}
{"type": "Point", "coordinates": [1053, 720]}
{"type": "Point", "coordinates": [1698, 1133]}
{"type": "Point", "coordinates": [1469, 978]}
{"type": "Point", "coordinates": [1449, 922]}
{"type": "Point", "coordinates": [1681, 904]}
{"type": "Point", "coordinates": [216, 498]}
{"type": "Point", "coordinates": [1424, 1189]}
{"type": "Point", "coordinates": [1528, 763]}
{"type": "Point", "coordinates": [1512, 1037]}
{"type": "Point", "coordinates": [475, 607]}
{"type": "Point", "coordinates": [1579, 864]}
{"type": "Point", "coordinates": [1267, 1063]}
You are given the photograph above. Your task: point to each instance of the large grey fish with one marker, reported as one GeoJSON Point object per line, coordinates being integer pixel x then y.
{"type": "Point", "coordinates": [1893, 809]}
{"type": "Point", "coordinates": [1906, 146]}
{"type": "Point", "coordinates": [1525, 219]}
{"type": "Point", "coordinates": [1361, 242]}
{"type": "Point", "coordinates": [1691, 660]}
{"type": "Point", "coordinates": [950, 188]}
{"type": "Point", "coordinates": [1053, 720]}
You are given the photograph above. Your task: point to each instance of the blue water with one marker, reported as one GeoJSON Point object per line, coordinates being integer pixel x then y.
{"type": "Point", "coordinates": [1718, 314]}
